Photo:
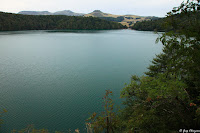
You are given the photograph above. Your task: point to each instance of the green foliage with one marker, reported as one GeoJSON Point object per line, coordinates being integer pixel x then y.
{"type": "Point", "coordinates": [108, 121]}
{"type": "Point", "coordinates": [14, 22]}
{"type": "Point", "coordinates": [168, 98]}
{"type": "Point", "coordinates": [181, 51]}
{"type": "Point", "coordinates": [157, 104]}
{"type": "Point", "coordinates": [131, 18]}
{"type": "Point", "coordinates": [145, 87]}
{"type": "Point", "coordinates": [152, 25]}
{"type": "Point", "coordinates": [184, 19]}
{"type": "Point", "coordinates": [118, 19]}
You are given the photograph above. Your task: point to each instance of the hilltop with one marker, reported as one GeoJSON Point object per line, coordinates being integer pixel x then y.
{"type": "Point", "coordinates": [64, 12]}
{"type": "Point", "coordinates": [127, 20]}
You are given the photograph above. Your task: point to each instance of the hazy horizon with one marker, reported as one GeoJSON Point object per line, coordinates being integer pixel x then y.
{"type": "Point", "coordinates": [119, 7]}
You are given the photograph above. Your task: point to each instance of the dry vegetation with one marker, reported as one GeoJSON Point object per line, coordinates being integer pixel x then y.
{"type": "Point", "coordinates": [129, 20]}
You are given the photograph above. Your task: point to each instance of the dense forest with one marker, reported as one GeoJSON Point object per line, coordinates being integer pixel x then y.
{"type": "Point", "coordinates": [152, 25]}
{"type": "Point", "coordinates": [15, 22]}
{"type": "Point", "coordinates": [174, 22]}
{"type": "Point", "coordinates": [118, 19]}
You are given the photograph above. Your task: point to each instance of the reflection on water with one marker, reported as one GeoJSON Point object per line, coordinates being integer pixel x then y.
{"type": "Point", "coordinates": [77, 31]}
{"type": "Point", "coordinates": [21, 32]}
{"type": "Point", "coordinates": [50, 31]}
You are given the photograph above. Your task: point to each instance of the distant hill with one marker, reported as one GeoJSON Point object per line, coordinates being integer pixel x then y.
{"type": "Point", "coordinates": [64, 12]}
{"type": "Point", "coordinates": [68, 13]}
{"type": "Point", "coordinates": [15, 22]}
{"type": "Point", "coordinates": [128, 20]}
{"type": "Point", "coordinates": [35, 13]}
{"type": "Point", "coordinates": [98, 13]}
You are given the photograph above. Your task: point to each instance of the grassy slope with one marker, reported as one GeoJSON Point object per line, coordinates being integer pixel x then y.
{"type": "Point", "coordinates": [128, 19]}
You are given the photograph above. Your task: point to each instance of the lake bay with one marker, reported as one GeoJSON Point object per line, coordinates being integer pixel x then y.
{"type": "Point", "coordinates": [55, 80]}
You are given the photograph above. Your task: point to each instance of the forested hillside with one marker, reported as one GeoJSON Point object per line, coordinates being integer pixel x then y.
{"type": "Point", "coordinates": [152, 25]}
{"type": "Point", "coordinates": [118, 19]}
{"type": "Point", "coordinates": [175, 22]}
{"type": "Point", "coordinates": [14, 22]}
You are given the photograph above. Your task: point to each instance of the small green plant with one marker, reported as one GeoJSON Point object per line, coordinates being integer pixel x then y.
{"type": "Point", "coordinates": [107, 121]}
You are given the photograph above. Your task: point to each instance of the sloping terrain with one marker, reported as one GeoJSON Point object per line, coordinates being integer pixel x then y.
{"type": "Point", "coordinates": [127, 20]}
{"type": "Point", "coordinates": [16, 22]}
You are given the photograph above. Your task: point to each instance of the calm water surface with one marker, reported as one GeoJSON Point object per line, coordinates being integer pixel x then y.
{"type": "Point", "coordinates": [54, 80]}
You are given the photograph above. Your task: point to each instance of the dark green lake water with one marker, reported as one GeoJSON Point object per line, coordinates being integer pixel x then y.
{"type": "Point", "coordinates": [54, 80]}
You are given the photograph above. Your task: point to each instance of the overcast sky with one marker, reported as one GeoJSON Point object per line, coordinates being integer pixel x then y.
{"type": "Point", "coordinates": [120, 7]}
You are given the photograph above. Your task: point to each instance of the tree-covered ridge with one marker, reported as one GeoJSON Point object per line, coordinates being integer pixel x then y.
{"type": "Point", "coordinates": [15, 22]}
{"type": "Point", "coordinates": [176, 22]}
{"type": "Point", "coordinates": [152, 25]}
{"type": "Point", "coordinates": [118, 19]}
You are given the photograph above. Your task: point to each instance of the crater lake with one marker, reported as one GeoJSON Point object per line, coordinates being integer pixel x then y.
{"type": "Point", "coordinates": [56, 80]}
